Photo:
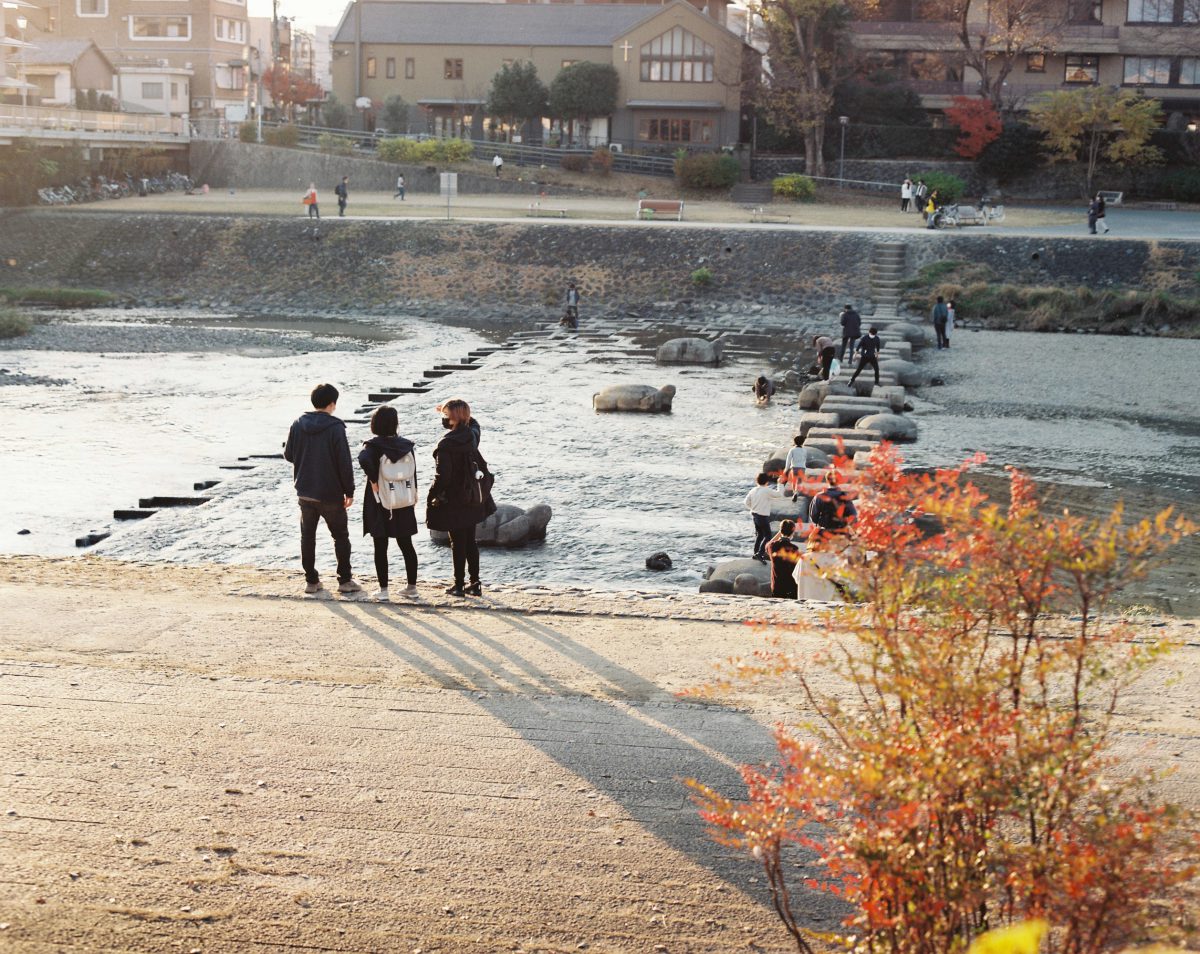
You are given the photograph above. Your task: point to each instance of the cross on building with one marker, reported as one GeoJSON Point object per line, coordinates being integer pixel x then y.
{"type": "Point", "coordinates": [626, 47]}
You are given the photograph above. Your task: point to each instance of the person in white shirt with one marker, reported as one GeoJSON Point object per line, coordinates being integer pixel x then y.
{"type": "Point", "coordinates": [497, 164]}
{"type": "Point", "coordinates": [794, 465]}
{"type": "Point", "coordinates": [906, 195]}
{"type": "Point", "coordinates": [758, 502]}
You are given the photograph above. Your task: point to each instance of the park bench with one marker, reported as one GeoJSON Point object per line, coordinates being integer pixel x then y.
{"type": "Point", "coordinates": [1111, 198]}
{"type": "Point", "coordinates": [761, 214]}
{"type": "Point", "coordinates": [656, 207]}
{"type": "Point", "coordinates": [536, 208]}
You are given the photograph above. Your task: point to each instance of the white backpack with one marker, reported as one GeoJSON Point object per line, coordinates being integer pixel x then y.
{"type": "Point", "coordinates": [397, 482]}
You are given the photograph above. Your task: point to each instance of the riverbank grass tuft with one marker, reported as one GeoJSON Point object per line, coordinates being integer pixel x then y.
{"type": "Point", "coordinates": [56, 297]}
{"type": "Point", "coordinates": [14, 324]}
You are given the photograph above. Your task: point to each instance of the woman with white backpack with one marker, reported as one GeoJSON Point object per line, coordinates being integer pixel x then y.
{"type": "Point", "coordinates": [390, 497]}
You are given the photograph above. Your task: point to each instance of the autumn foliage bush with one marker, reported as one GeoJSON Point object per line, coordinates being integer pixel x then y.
{"type": "Point", "coordinates": [964, 781]}
{"type": "Point", "coordinates": [978, 124]}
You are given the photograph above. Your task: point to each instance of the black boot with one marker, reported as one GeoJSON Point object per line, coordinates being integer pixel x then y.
{"type": "Point", "coordinates": [475, 589]}
{"type": "Point", "coordinates": [456, 590]}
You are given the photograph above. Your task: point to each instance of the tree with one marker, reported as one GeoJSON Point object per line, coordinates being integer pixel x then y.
{"type": "Point", "coordinates": [977, 122]}
{"type": "Point", "coordinates": [956, 774]}
{"type": "Point", "coordinates": [518, 95]}
{"type": "Point", "coordinates": [395, 114]}
{"type": "Point", "coordinates": [1009, 31]}
{"type": "Point", "coordinates": [583, 91]}
{"type": "Point", "coordinates": [334, 113]}
{"type": "Point", "coordinates": [879, 100]}
{"type": "Point", "coordinates": [807, 49]}
{"type": "Point", "coordinates": [1097, 122]}
{"type": "Point", "coordinates": [1016, 152]}
{"type": "Point", "coordinates": [288, 89]}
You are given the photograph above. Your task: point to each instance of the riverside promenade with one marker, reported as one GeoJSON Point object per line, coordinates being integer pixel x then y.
{"type": "Point", "coordinates": [197, 759]}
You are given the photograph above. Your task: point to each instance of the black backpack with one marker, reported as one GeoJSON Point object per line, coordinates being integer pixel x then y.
{"type": "Point", "coordinates": [828, 511]}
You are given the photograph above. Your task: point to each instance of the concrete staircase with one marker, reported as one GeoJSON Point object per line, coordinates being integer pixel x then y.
{"type": "Point", "coordinates": [889, 262]}
{"type": "Point", "coordinates": [752, 193]}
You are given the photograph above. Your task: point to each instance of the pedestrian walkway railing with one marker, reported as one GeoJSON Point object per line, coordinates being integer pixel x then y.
{"type": "Point", "coordinates": [56, 123]}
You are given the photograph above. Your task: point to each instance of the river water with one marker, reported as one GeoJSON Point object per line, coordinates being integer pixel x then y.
{"type": "Point", "coordinates": [1092, 414]}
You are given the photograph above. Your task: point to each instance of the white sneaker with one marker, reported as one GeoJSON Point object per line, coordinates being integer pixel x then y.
{"type": "Point", "coordinates": [410, 592]}
{"type": "Point", "coordinates": [381, 596]}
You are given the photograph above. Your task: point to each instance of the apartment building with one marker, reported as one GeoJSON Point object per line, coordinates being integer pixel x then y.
{"type": "Point", "coordinates": [206, 39]}
{"type": "Point", "coordinates": [1152, 46]}
{"type": "Point", "coordinates": [680, 71]}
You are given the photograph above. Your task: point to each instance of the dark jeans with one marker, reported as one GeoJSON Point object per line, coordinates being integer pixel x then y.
{"type": "Point", "coordinates": [313, 512]}
{"type": "Point", "coordinates": [827, 356]}
{"type": "Point", "coordinates": [847, 342]}
{"type": "Point", "coordinates": [942, 340]}
{"type": "Point", "coordinates": [314, 212]}
{"type": "Point", "coordinates": [341, 206]}
{"type": "Point", "coordinates": [762, 534]}
{"type": "Point", "coordinates": [863, 361]}
{"type": "Point", "coordinates": [405, 543]}
{"type": "Point", "coordinates": [465, 552]}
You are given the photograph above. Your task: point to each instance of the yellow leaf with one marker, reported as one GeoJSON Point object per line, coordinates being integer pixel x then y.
{"type": "Point", "coordinates": [1023, 938]}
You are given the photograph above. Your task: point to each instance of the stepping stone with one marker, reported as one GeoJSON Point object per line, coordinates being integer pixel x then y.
{"type": "Point", "coordinates": [830, 447]}
{"type": "Point", "coordinates": [151, 503]}
{"type": "Point", "coordinates": [133, 514]}
{"type": "Point", "coordinates": [438, 373]}
{"type": "Point", "coordinates": [262, 457]}
{"type": "Point", "coordinates": [845, 433]}
{"type": "Point", "coordinates": [457, 367]}
{"type": "Point", "coordinates": [205, 484]}
{"type": "Point", "coordinates": [236, 466]}
{"type": "Point", "coordinates": [91, 539]}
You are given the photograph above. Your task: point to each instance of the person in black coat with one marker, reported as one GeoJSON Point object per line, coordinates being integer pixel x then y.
{"type": "Point", "coordinates": [458, 499]}
{"type": "Point", "coordinates": [383, 524]}
{"type": "Point", "coordinates": [783, 554]}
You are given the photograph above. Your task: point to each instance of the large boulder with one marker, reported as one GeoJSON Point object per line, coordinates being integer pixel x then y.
{"type": "Point", "coordinates": [816, 392]}
{"type": "Point", "coordinates": [509, 526]}
{"type": "Point", "coordinates": [907, 373]}
{"type": "Point", "coordinates": [913, 334]}
{"type": "Point", "coordinates": [690, 351]}
{"type": "Point", "coordinates": [728, 572]}
{"type": "Point", "coordinates": [811, 419]}
{"type": "Point", "coordinates": [891, 427]}
{"type": "Point", "coordinates": [894, 394]}
{"type": "Point", "coordinates": [716, 586]}
{"type": "Point", "coordinates": [634, 397]}
{"type": "Point", "coordinates": [747, 584]}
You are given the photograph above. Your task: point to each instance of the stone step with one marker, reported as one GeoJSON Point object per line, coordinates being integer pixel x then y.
{"type": "Point", "coordinates": [437, 373]}
{"type": "Point", "coordinates": [458, 367]}
{"type": "Point", "coordinates": [205, 484]}
{"type": "Point", "coordinates": [131, 514]}
{"type": "Point", "coordinates": [846, 433]}
{"type": "Point", "coordinates": [153, 503]}
{"type": "Point", "coordinates": [830, 447]}
{"type": "Point", "coordinates": [91, 539]}
{"type": "Point", "coordinates": [236, 466]}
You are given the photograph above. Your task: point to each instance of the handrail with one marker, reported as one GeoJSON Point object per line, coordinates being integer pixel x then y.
{"type": "Point", "coordinates": [89, 121]}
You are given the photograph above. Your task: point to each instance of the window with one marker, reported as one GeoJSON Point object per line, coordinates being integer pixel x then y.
{"type": "Point", "coordinates": [152, 91]}
{"type": "Point", "coordinates": [1035, 63]}
{"type": "Point", "coordinates": [566, 63]}
{"type": "Point", "coordinates": [1084, 11]}
{"type": "Point", "coordinates": [390, 67]}
{"type": "Point", "coordinates": [160, 28]}
{"type": "Point", "coordinates": [677, 57]}
{"type": "Point", "coordinates": [410, 67]}
{"type": "Point", "coordinates": [91, 8]}
{"type": "Point", "coordinates": [507, 62]}
{"type": "Point", "coordinates": [1082, 69]}
{"type": "Point", "coordinates": [233, 31]}
{"type": "Point", "coordinates": [44, 82]}
{"type": "Point", "coordinates": [452, 69]}
{"type": "Point", "coordinates": [174, 91]}
{"type": "Point", "coordinates": [1147, 70]}
{"type": "Point", "coordinates": [1189, 71]}
{"type": "Point", "coordinates": [1150, 11]}
{"type": "Point", "coordinates": [665, 129]}
{"type": "Point", "coordinates": [370, 67]}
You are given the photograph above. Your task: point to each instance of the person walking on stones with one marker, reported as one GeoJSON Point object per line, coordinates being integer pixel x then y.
{"type": "Point", "coordinates": [460, 495]}
{"type": "Point", "coordinates": [851, 329]}
{"type": "Point", "coordinates": [399, 188]}
{"type": "Point", "coordinates": [570, 316]}
{"type": "Point", "coordinates": [794, 466]}
{"type": "Point", "coordinates": [832, 509]}
{"type": "Point", "coordinates": [342, 191]}
{"type": "Point", "coordinates": [390, 497]}
{"type": "Point", "coordinates": [783, 554]}
{"type": "Point", "coordinates": [826, 352]}
{"type": "Point", "coordinates": [758, 502]}
{"type": "Point", "coordinates": [323, 475]}
{"type": "Point", "coordinates": [1093, 213]}
{"type": "Point", "coordinates": [310, 199]}
{"type": "Point", "coordinates": [1101, 213]}
{"type": "Point", "coordinates": [906, 194]}
{"type": "Point", "coordinates": [868, 354]}
{"type": "Point", "coordinates": [497, 164]}
{"type": "Point", "coordinates": [941, 317]}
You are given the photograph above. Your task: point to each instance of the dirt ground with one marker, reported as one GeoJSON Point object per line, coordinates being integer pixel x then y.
{"type": "Point", "coordinates": [198, 760]}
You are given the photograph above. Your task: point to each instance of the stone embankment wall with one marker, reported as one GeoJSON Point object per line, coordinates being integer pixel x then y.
{"type": "Point", "coordinates": [509, 270]}
{"type": "Point", "coordinates": [230, 164]}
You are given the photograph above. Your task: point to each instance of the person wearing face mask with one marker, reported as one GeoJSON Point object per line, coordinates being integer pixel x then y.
{"type": "Point", "coordinates": [460, 495]}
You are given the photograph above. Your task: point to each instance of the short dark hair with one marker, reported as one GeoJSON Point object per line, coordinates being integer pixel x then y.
{"type": "Point", "coordinates": [940, 298]}
{"type": "Point", "coordinates": [797, 440]}
{"type": "Point", "coordinates": [787, 527]}
{"type": "Point", "coordinates": [323, 395]}
{"type": "Point", "coordinates": [874, 330]}
{"type": "Point", "coordinates": [385, 421]}
{"type": "Point", "coordinates": [761, 480]}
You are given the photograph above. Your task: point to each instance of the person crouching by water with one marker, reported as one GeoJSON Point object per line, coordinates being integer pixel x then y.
{"type": "Point", "coordinates": [460, 496]}
{"type": "Point", "coordinates": [763, 388]}
{"type": "Point", "coordinates": [783, 554]}
{"type": "Point", "coordinates": [390, 497]}
{"type": "Point", "coordinates": [826, 352]}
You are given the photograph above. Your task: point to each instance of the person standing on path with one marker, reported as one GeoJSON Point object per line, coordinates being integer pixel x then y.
{"type": "Point", "coordinates": [826, 352]}
{"type": "Point", "coordinates": [572, 314]}
{"type": "Point", "coordinates": [783, 554]}
{"type": "Point", "coordinates": [906, 194]}
{"type": "Point", "coordinates": [758, 502]}
{"type": "Point", "coordinates": [390, 497]}
{"type": "Point", "coordinates": [920, 190]}
{"type": "Point", "coordinates": [460, 496]}
{"type": "Point", "coordinates": [1101, 212]}
{"type": "Point", "coordinates": [851, 329]}
{"type": "Point", "coordinates": [310, 199]}
{"type": "Point", "coordinates": [868, 351]}
{"type": "Point", "coordinates": [399, 188]}
{"type": "Point", "coordinates": [951, 319]}
{"type": "Point", "coordinates": [497, 164]}
{"type": "Point", "coordinates": [941, 316]}
{"type": "Point", "coordinates": [342, 192]}
{"type": "Point", "coordinates": [324, 479]}
{"type": "Point", "coordinates": [1093, 213]}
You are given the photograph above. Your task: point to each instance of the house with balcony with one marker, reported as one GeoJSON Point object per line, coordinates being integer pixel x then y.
{"type": "Point", "coordinates": [1152, 46]}
{"type": "Point", "coordinates": [64, 71]}
{"type": "Point", "coordinates": [680, 71]}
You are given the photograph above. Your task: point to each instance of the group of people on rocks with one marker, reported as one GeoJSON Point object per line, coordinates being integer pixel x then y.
{"type": "Point", "coordinates": [458, 499]}
{"type": "Point", "coordinates": [867, 346]}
